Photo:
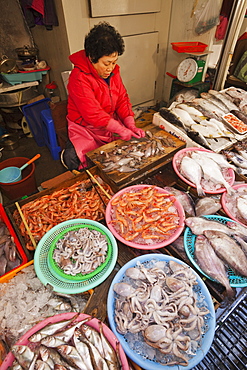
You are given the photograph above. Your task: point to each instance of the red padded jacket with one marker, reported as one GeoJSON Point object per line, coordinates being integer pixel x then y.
{"type": "Point", "coordinates": [91, 100]}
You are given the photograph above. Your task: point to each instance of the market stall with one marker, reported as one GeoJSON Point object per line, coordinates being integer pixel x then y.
{"type": "Point", "coordinates": [174, 200]}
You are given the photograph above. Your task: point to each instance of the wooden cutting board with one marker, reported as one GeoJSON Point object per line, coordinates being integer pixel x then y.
{"type": "Point", "coordinates": [146, 166]}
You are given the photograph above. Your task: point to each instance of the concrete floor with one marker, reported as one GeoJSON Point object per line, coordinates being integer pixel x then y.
{"type": "Point", "coordinates": [45, 167]}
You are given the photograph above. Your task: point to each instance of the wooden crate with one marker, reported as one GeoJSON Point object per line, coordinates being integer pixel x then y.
{"type": "Point", "coordinates": [63, 185]}
{"type": "Point", "coordinates": [116, 179]}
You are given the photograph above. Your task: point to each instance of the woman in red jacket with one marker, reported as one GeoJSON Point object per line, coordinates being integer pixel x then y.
{"type": "Point", "coordinates": [99, 109]}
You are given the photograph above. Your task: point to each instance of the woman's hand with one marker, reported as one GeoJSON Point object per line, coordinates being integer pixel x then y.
{"type": "Point", "coordinates": [123, 132]}
{"type": "Point", "coordinates": [129, 122]}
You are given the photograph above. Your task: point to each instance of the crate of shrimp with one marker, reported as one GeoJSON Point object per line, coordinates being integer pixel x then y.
{"type": "Point", "coordinates": [82, 196]}
{"type": "Point", "coordinates": [12, 254]}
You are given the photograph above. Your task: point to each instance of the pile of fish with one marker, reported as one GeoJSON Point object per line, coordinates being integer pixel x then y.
{"type": "Point", "coordinates": [236, 204]}
{"type": "Point", "coordinates": [202, 206]}
{"type": "Point", "coordinates": [9, 256]}
{"type": "Point", "coordinates": [219, 246]}
{"type": "Point", "coordinates": [202, 120]}
{"type": "Point", "coordinates": [131, 157]}
{"type": "Point", "coordinates": [68, 344]}
{"type": "Point", "coordinates": [238, 157]}
{"type": "Point", "coordinates": [208, 171]}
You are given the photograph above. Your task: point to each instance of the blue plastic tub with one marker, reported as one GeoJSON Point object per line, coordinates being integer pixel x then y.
{"type": "Point", "coordinates": [50, 135]}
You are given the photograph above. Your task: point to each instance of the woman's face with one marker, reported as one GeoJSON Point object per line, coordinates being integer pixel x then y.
{"type": "Point", "coordinates": [106, 64]}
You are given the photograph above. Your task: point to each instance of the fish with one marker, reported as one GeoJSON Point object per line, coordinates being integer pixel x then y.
{"type": "Point", "coordinates": [99, 363]}
{"type": "Point", "coordinates": [51, 341]}
{"type": "Point", "coordinates": [184, 198]}
{"type": "Point", "coordinates": [239, 115]}
{"type": "Point", "coordinates": [214, 100]}
{"type": "Point", "coordinates": [220, 159]}
{"type": "Point", "coordinates": [208, 129]}
{"type": "Point", "coordinates": [199, 224]}
{"type": "Point", "coordinates": [57, 359]}
{"type": "Point", "coordinates": [210, 263]}
{"type": "Point", "coordinates": [241, 149]}
{"type": "Point", "coordinates": [93, 336]}
{"type": "Point", "coordinates": [236, 94]}
{"type": "Point", "coordinates": [171, 117]}
{"type": "Point", "coordinates": [68, 333]}
{"type": "Point", "coordinates": [224, 99]}
{"type": "Point", "coordinates": [218, 112]}
{"type": "Point", "coordinates": [195, 114]}
{"type": "Point", "coordinates": [70, 354]}
{"type": "Point", "coordinates": [242, 206]}
{"type": "Point", "coordinates": [207, 206]}
{"type": "Point", "coordinates": [51, 329]}
{"type": "Point", "coordinates": [211, 171]}
{"type": "Point", "coordinates": [184, 116]}
{"type": "Point", "coordinates": [206, 111]}
{"type": "Point", "coordinates": [41, 365]}
{"type": "Point", "coordinates": [193, 172]}
{"type": "Point", "coordinates": [222, 127]}
{"type": "Point", "coordinates": [198, 138]}
{"type": "Point", "coordinates": [242, 243]}
{"type": "Point", "coordinates": [237, 229]}
{"type": "Point", "coordinates": [236, 158]}
{"type": "Point", "coordinates": [23, 354]}
{"type": "Point", "coordinates": [110, 354]}
{"type": "Point", "coordinates": [243, 106]}
{"type": "Point", "coordinates": [228, 250]}
{"type": "Point", "coordinates": [82, 349]}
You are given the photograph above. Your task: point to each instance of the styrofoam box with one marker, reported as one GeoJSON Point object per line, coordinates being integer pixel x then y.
{"type": "Point", "coordinates": [216, 146]}
{"type": "Point", "coordinates": [167, 126]}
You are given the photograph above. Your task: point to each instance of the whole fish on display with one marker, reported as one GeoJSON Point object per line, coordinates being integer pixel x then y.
{"type": "Point", "coordinates": [203, 108]}
{"type": "Point", "coordinates": [238, 95]}
{"type": "Point", "coordinates": [184, 198]}
{"type": "Point", "coordinates": [195, 114]}
{"type": "Point", "coordinates": [198, 138]}
{"type": "Point", "coordinates": [171, 117]}
{"type": "Point", "coordinates": [211, 170]}
{"type": "Point", "coordinates": [193, 172]}
{"type": "Point", "coordinates": [220, 159]}
{"type": "Point", "coordinates": [215, 101]}
{"type": "Point", "coordinates": [210, 263]}
{"type": "Point", "coordinates": [184, 117]}
{"type": "Point", "coordinates": [228, 250]}
{"type": "Point", "coordinates": [224, 99]}
{"type": "Point", "coordinates": [199, 225]}
{"type": "Point", "coordinates": [236, 158]}
{"type": "Point", "coordinates": [207, 206]}
{"type": "Point", "coordinates": [209, 106]}
{"type": "Point", "coordinates": [208, 129]}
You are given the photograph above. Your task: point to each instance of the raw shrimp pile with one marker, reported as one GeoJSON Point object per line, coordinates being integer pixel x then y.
{"type": "Point", "coordinates": [145, 215]}
{"type": "Point", "coordinates": [80, 200]}
{"type": "Point", "coordinates": [80, 251]}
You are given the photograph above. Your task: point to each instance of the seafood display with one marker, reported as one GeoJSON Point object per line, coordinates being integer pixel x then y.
{"type": "Point", "coordinates": [25, 301]}
{"type": "Point", "coordinates": [69, 342]}
{"type": "Point", "coordinates": [79, 200]}
{"type": "Point", "coordinates": [214, 239]}
{"type": "Point", "coordinates": [207, 171]}
{"type": "Point", "coordinates": [145, 215]}
{"type": "Point", "coordinates": [184, 198]}
{"type": "Point", "coordinates": [131, 157]}
{"type": "Point", "coordinates": [160, 312]}
{"type": "Point", "coordinates": [213, 119]}
{"type": "Point", "coordinates": [80, 251]}
{"type": "Point", "coordinates": [238, 157]}
{"type": "Point", "coordinates": [9, 256]}
{"type": "Point", "coordinates": [207, 206]}
{"type": "Point", "coordinates": [235, 206]}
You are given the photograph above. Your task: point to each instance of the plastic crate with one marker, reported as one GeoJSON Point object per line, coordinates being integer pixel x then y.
{"type": "Point", "coordinates": [188, 47]}
{"type": "Point", "coordinates": [20, 77]}
{"type": "Point", "coordinates": [49, 132]}
{"type": "Point", "coordinates": [32, 113]}
{"type": "Point", "coordinates": [22, 255]}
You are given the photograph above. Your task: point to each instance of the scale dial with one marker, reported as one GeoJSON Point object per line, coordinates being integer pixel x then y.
{"type": "Point", "coordinates": [187, 70]}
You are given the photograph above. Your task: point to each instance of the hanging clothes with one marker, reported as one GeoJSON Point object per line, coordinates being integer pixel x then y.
{"type": "Point", "coordinates": [224, 18]}
{"type": "Point", "coordinates": [40, 12]}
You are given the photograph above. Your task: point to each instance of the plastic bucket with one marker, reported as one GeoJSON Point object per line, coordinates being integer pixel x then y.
{"type": "Point", "coordinates": [26, 186]}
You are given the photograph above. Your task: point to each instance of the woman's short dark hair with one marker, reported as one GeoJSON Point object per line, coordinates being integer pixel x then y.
{"type": "Point", "coordinates": [102, 40]}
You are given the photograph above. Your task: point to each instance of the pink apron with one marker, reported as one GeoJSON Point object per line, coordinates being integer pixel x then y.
{"type": "Point", "coordinates": [87, 138]}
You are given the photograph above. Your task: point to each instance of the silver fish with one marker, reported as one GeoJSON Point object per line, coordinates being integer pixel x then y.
{"type": "Point", "coordinates": [50, 329]}
{"type": "Point", "coordinates": [70, 354]}
{"type": "Point", "coordinates": [193, 172]}
{"type": "Point", "coordinates": [206, 112]}
{"type": "Point", "coordinates": [184, 198]}
{"type": "Point", "coordinates": [199, 225]}
{"type": "Point", "coordinates": [171, 117]}
{"type": "Point", "coordinates": [228, 250]}
{"type": "Point", "coordinates": [237, 159]}
{"type": "Point", "coordinates": [42, 365]}
{"type": "Point", "coordinates": [127, 169]}
{"type": "Point", "coordinates": [184, 116]}
{"type": "Point", "coordinates": [57, 359]}
{"type": "Point", "coordinates": [23, 354]}
{"type": "Point", "coordinates": [198, 138]}
{"type": "Point", "coordinates": [99, 363]}
{"type": "Point", "coordinates": [82, 349]}
{"type": "Point", "coordinates": [220, 159]}
{"type": "Point", "coordinates": [224, 99]}
{"type": "Point", "coordinates": [211, 171]}
{"type": "Point", "coordinates": [67, 334]}
{"type": "Point", "coordinates": [207, 206]}
{"type": "Point", "coordinates": [208, 129]}
{"type": "Point", "coordinates": [213, 99]}
{"type": "Point", "coordinates": [195, 114]}
{"type": "Point", "coordinates": [93, 336]}
{"type": "Point", "coordinates": [236, 94]}
{"type": "Point", "coordinates": [206, 104]}
{"type": "Point", "coordinates": [210, 263]}
{"type": "Point", "coordinates": [109, 353]}
{"type": "Point", "coordinates": [51, 341]}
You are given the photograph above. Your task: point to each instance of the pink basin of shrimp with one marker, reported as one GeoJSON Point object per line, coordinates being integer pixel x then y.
{"type": "Point", "coordinates": [177, 160]}
{"type": "Point", "coordinates": [173, 236]}
{"type": "Point", "coordinates": [94, 323]}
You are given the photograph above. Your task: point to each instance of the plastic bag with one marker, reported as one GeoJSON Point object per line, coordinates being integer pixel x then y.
{"type": "Point", "coordinates": [207, 16]}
